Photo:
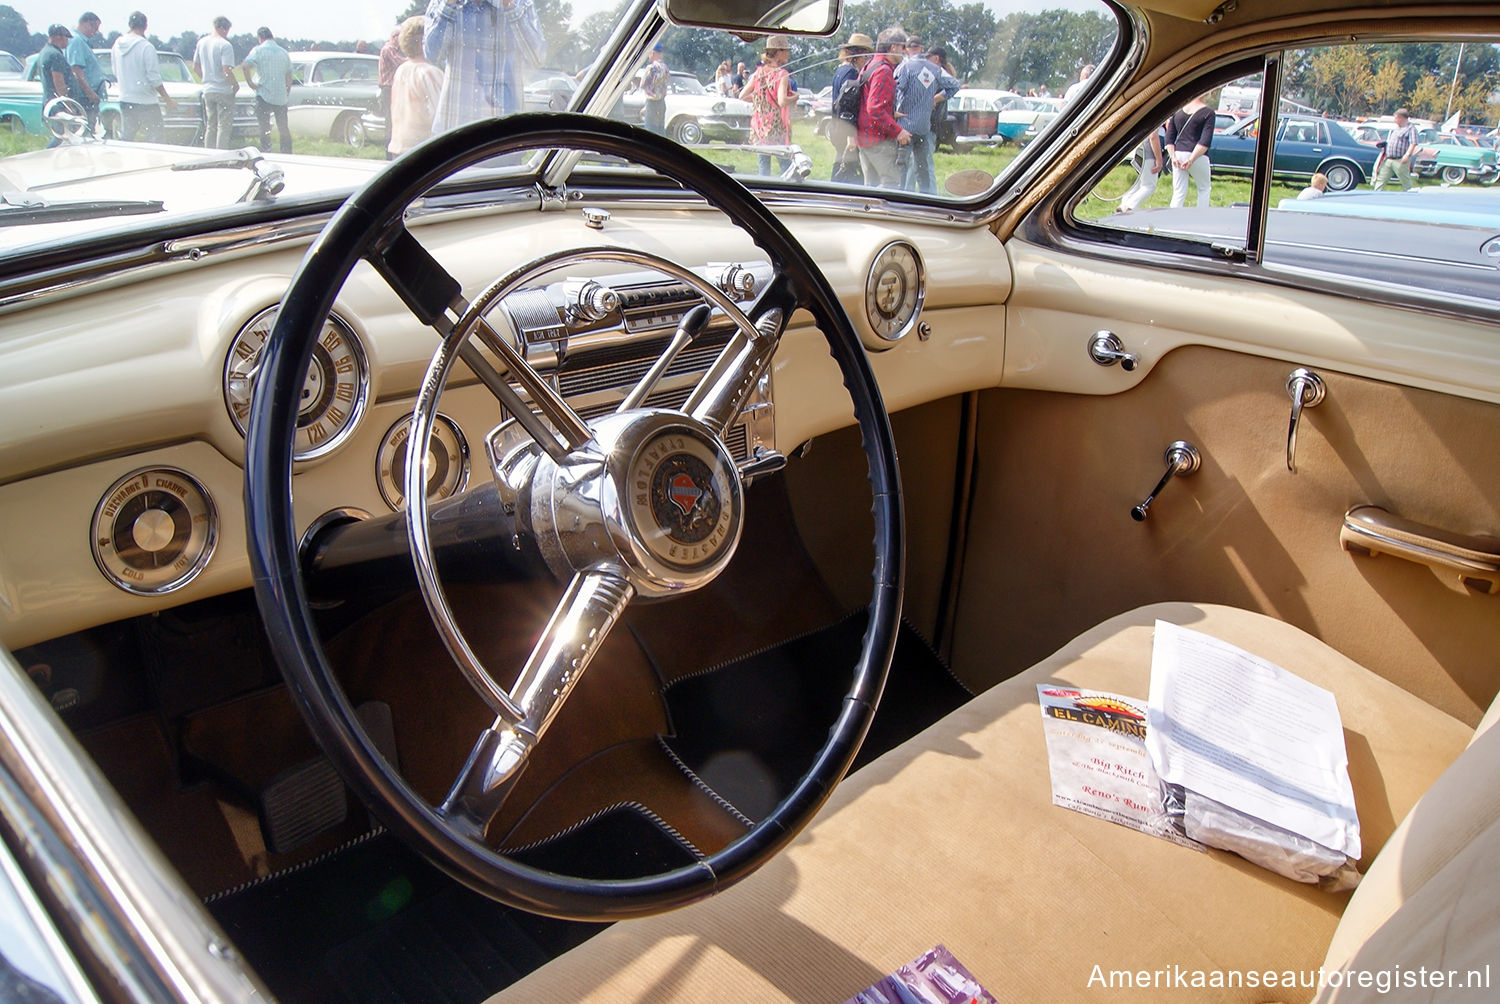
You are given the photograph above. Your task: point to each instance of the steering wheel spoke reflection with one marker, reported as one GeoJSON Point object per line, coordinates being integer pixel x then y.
{"type": "Point", "coordinates": [587, 612]}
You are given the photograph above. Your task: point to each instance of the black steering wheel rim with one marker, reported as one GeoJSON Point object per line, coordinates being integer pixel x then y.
{"type": "Point", "coordinates": [355, 232]}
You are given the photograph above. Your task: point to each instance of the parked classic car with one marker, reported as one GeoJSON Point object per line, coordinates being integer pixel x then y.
{"type": "Point", "coordinates": [336, 95]}
{"type": "Point", "coordinates": [408, 569]}
{"type": "Point", "coordinates": [694, 113]}
{"type": "Point", "coordinates": [10, 67]}
{"type": "Point", "coordinates": [185, 124]}
{"type": "Point", "coordinates": [972, 118]}
{"type": "Point", "coordinates": [1455, 159]}
{"type": "Point", "coordinates": [1304, 146]}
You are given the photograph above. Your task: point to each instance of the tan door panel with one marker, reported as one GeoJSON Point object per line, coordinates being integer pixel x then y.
{"type": "Point", "coordinates": [1053, 548]}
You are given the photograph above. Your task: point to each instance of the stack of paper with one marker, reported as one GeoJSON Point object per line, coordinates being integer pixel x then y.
{"type": "Point", "coordinates": [1258, 752]}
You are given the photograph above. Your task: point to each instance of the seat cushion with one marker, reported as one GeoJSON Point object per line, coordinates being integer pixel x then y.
{"type": "Point", "coordinates": [952, 838]}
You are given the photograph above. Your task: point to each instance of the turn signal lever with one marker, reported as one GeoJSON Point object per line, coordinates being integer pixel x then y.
{"type": "Point", "coordinates": [1182, 459]}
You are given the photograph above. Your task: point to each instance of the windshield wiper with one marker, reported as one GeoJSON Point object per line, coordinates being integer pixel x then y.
{"type": "Point", "coordinates": [21, 209]}
{"type": "Point", "coordinates": [269, 180]}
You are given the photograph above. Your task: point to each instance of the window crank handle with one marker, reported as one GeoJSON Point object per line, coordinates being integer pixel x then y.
{"type": "Point", "coordinates": [1182, 458]}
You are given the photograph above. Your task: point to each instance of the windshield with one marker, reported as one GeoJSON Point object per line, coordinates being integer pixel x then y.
{"type": "Point", "coordinates": [358, 83]}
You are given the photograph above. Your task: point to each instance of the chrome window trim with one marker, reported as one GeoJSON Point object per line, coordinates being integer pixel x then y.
{"type": "Point", "coordinates": [109, 887]}
{"type": "Point", "coordinates": [1050, 223]}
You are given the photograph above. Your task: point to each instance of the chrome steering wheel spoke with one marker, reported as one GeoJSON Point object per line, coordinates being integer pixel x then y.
{"type": "Point", "coordinates": [722, 392]}
{"type": "Point", "coordinates": [587, 612]}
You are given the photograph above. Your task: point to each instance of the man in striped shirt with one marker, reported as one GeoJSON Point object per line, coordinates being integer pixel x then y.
{"type": "Point", "coordinates": [1400, 147]}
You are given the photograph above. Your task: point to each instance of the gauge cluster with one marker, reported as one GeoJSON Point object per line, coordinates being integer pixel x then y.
{"type": "Point", "coordinates": [334, 391]}
{"type": "Point", "coordinates": [894, 292]}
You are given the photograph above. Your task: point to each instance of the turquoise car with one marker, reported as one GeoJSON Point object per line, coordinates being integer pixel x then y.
{"type": "Point", "coordinates": [1454, 158]}
{"type": "Point", "coordinates": [21, 100]}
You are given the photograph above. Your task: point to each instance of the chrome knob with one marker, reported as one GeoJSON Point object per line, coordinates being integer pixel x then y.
{"type": "Point", "coordinates": [595, 218]}
{"type": "Point", "coordinates": [737, 281]}
{"type": "Point", "coordinates": [593, 301]}
{"type": "Point", "coordinates": [1182, 458]}
{"type": "Point", "coordinates": [1106, 349]}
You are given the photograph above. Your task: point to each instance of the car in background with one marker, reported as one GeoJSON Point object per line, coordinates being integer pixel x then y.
{"type": "Point", "coordinates": [11, 68]}
{"type": "Point", "coordinates": [336, 95]}
{"type": "Point", "coordinates": [1454, 158]}
{"type": "Point", "coordinates": [1020, 118]}
{"type": "Point", "coordinates": [548, 90]}
{"type": "Point", "coordinates": [184, 125]}
{"type": "Point", "coordinates": [1305, 145]}
{"type": "Point", "coordinates": [694, 113]}
{"type": "Point", "coordinates": [973, 117]}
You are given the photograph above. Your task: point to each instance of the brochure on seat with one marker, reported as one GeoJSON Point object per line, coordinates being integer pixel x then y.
{"type": "Point", "coordinates": [1096, 753]}
{"type": "Point", "coordinates": [934, 977]}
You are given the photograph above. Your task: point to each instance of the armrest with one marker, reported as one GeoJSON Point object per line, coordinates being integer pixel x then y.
{"type": "Point", "coordinates": [1371, 530]}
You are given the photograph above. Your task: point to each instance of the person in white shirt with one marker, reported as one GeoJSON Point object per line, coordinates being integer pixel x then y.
{"type": "Point", "coordinates": [138, 76]}
{"type": "Point", "coordinates": [214, 61]}
{"type": "Point", "coordinates": [415, 90]}
{"type": "Point", "coordinates": [1075, 88]}
{"type": "Point", "coordinates": [1318, 184]}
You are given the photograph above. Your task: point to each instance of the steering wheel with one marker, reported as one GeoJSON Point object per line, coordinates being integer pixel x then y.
{"type": "Point", "coordinates": [616, 545]}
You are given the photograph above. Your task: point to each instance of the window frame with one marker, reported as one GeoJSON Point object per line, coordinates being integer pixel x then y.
{"type": "Point", "coordinates": [1052, 222]}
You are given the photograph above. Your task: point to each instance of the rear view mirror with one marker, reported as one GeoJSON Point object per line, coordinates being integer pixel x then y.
{"type": "Point", "coordinates": [761, 17]}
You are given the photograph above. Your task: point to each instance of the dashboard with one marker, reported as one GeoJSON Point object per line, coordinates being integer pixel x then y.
{"type": "Point", "coordinates": [126, 476]}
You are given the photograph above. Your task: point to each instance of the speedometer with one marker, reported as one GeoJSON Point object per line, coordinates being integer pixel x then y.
{"type": "Point", "coordinates": [333, 392]}
{"type": "Point", "coordinates": [894, 291]}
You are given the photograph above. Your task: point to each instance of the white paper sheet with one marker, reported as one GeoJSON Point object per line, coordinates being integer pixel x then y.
{"type": "Point", "coordinates": [1246, 732]}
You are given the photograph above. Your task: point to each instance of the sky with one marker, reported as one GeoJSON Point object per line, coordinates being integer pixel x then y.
{"type": "Point", "coordinates": [331, 20]}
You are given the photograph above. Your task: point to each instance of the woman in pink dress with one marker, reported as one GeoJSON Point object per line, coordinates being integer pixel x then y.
{"type": "Point", "coordinates": [771, 98]}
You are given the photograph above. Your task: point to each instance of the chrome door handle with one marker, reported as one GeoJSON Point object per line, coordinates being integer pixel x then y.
{"type": "Point", "coordinates": [1106, 349]}
{"type": "Point", "coordinates": [1182, 458]}
{"type": "Point", "coordinates": [1307, 390]}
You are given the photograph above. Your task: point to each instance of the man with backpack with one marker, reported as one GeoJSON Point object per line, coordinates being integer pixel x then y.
{"type": "Point", "coordinates": [877, 133]}
{"type": "Point", "coordinates": [853, 56]}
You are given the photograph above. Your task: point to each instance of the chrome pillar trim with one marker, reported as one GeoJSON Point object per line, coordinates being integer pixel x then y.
{"type": "Point", "coordinates": [106, 882]}
{"type": "Point", "coordinates": [1306, 390]}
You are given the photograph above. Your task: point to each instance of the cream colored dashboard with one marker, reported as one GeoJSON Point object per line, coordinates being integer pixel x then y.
{"type": "Point", "coordinates": [126, 378]}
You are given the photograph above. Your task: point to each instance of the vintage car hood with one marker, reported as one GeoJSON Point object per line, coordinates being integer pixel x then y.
{"type": "Point", "coordinates": [183, 179]}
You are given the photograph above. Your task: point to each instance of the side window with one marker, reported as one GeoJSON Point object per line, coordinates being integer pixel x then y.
{"type": "Point", "coordinates": [1360, 128]}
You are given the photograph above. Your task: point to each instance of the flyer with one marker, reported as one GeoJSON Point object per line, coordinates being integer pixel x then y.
{"type": "Point", "coordinates": [1096, 752]}
{"type": "Point", "coordinates": [934, 977]}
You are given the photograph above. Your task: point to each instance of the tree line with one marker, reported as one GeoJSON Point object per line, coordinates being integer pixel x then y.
{"type": "Point", "coordinates": [1352, 81]}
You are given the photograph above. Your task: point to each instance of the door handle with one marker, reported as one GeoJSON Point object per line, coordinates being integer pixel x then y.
{"type": "Point", "coordinates": [1371, 530]}
{"type": "Point", "coordinates": [1307, 390]}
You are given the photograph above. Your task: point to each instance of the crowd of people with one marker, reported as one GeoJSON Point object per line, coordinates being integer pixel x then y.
{"type": "Point", "coordinates": [888, 94]}
{"type": "Point", "coordinates": [460, 61]}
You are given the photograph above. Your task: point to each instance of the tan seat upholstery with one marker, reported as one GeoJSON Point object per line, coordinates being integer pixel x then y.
{"type": "Point", "coordinates": [952, 838]}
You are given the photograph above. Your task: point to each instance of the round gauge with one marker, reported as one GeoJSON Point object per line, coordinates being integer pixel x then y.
{"type": "Point", "coordinates": [894, 290]}
{"type": "Point", "coordinates": [153, 531]}
{"type": "Point", "coordinates": [447, 463]}
{"type": "Point", "coordinates": [333, 394]}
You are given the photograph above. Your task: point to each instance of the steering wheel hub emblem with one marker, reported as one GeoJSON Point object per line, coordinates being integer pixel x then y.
{"type": "Point", "coordinates": [683, 499]}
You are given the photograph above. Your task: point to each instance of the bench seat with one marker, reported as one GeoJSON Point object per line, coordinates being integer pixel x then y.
{"type": "Point", "coordinates": [952, 838]}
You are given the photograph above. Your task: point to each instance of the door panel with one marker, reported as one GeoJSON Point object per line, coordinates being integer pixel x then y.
{"type": "Point", "coordinates": [1053, 548]}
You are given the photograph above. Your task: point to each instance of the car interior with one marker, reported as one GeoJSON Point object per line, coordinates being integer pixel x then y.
{"type": "Point", "coordinates": [787, 756]}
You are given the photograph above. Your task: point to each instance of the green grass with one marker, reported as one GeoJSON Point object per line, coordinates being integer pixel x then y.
{"type": "Point", "coordinates": [804, 134]}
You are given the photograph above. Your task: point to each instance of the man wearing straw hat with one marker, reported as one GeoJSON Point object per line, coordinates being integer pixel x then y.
{"type": "Point", "coordinates": [853, 56]}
